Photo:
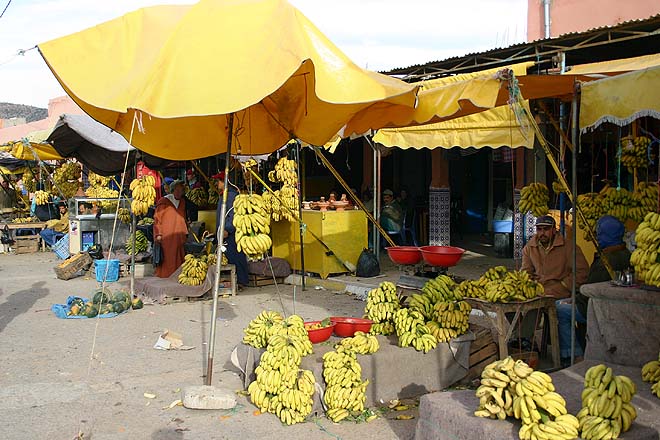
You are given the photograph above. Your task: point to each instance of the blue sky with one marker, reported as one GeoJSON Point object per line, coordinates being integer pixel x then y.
{"type": "Point", "coordinates": [375, 34]}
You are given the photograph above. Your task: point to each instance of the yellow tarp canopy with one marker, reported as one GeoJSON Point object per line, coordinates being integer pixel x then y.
{"type": "Point", "coordinates": [171, 75]}
{"type": "Point", "coordinates": [22, 151]}
{"type": "Point", "coordinates": [620, 99]}
{"type": "Point", "coordinates": [491, 128]}
{"type": "Point", "coordinates": [614, 66]}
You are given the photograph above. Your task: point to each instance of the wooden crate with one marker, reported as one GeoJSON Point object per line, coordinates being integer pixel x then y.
{"type": "Point", "coordinates": [258, 281]}
{"type": "Point", "coordinates": [26, 244]}
{"type": "Point", "coordinates": [225, 289]}
{"type": "Point", "coordinates": [73, 266]}
{"type": "Point", "coordinates": [483, 351]}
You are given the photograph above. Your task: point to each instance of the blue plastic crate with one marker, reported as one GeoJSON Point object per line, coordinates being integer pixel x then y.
{"type": "Point", "coordinates": [61, 248]}
{"type": "Point", "coordinates": [505, 226]}
{"type": "Point", "coordinates": [113, 270]}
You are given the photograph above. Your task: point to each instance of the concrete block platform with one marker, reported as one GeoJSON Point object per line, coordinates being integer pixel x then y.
{"type": "Point", "coordinates": [450, 415]}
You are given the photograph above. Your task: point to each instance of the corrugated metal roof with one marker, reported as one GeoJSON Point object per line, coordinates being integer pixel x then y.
{"type": "Point", "coordinates": [647, 27]}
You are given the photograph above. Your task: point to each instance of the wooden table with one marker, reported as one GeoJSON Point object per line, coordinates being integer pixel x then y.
{"type": "Point", "coordinates": [31, 225]}
{"type": "Point", "coordinates": [505, 327]}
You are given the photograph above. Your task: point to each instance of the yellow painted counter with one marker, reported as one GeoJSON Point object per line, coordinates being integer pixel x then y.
{"type": "Point", "coordinates": [344, 232]}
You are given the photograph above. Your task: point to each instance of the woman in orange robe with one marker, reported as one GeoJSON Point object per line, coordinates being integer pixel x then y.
{"type": "Point", "coordinates": [170, 229]}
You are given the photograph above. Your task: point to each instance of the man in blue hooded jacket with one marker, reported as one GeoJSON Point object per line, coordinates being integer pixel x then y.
{"type": "Point", "coordinates": [609, 233]}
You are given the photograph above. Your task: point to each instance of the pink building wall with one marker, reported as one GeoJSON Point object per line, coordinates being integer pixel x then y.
{"type": "Point", "coordinates": [56, 107]}
{"type": "Point", "coordinates": [581, 15]}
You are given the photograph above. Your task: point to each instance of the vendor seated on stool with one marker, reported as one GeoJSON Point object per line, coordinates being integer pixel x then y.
{"type": "Point", "coordinates": [56, 229]}
{"type": "Point", "coordinates": [609, 233]}
{"type": "Point", "coordinates": [548, 257]}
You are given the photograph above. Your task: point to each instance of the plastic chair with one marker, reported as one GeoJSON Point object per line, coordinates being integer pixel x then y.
{"type": "Point", "coordinates": [411, 229]}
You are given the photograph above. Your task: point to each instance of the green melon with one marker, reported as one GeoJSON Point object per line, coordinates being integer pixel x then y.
{"type": "Point", "coordinates": [102, 296]}
{"type": "Point", "coordinates": [137, 304]}
{"type": "Point", "coordinates": [90, 310]}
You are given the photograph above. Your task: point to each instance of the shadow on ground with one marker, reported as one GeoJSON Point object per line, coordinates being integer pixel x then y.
{"type": "Point", "coordinates": [20, 302]}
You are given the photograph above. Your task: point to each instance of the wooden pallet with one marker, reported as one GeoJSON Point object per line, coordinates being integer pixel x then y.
{"type": "Point", "coordinates": [258, 281]}
{"type": "Point", "coordinates": [483, 351]}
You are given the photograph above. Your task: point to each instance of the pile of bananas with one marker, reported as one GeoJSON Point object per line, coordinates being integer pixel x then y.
{"type": "Point", "coordinates": [124, 215]}
{"type": "Point", "coordinates": [413, 331]}
{"type": "Point", "coordinates": [29, 182]}
{"type": "Point", "coordinates": [145, 221]}
{"type": "Point", "coordinates": [345, 391]}
{"type": "Point", "coordinates": [617, 202]}
{"type": "Point", "coordinates": [41, 197]}
{"type": "Point", "coordinates": [25, 220]}
{"type": "Point", "coordinates": [558, 187]}
{"type": "Point", "coordinates": [285, 172]}
{"type": "Point", "coordinates": [634, 152]}
{"type": "Point", "coordinates": [281, 387]}
{"type": "Point", "coordinates": [471, 289]}
{"type": "Point", "coordinates": [269, 323]}
{"type": "Point", "coordinates": [606, 410]}
{"type": "Point", "coordinates": [103, 192]}
{"type": "Point", "coordinates": [360, 343]}
{"type": "Point", "coordinates": [141, 244]}
{"type": "Point", "coordinates": [644, 258]}
{"type": "Point", "coordinates": [495, 273]}
{"type": "Point", "coordinates": [193, 270]}
{"type": "Point", "coordinates": [452, 315]}
{"type": "Point", "coordinates": [66, 178]}
{"type": "Point", "coordinates": [647, 196]}
{"type": "Point", "coordinates": [198, 196]}
{"type": "Point", "coordinates": [144, 194]}
{"type": "Point", "coordinates": [498, 284]}
{"type": "Point", "coordinates": [252, 226]}
{"type": "Point", "coordinates": [441, 288]}
{"type": "Point", "coordinates": [534, 197]}
{"type": "Point", "coordinates": [382, 304]}
{"type": "Point", "coordinates": [97, 180]}
{"type": "Point", "coordinates": [651, 373]}
{"type": "Point", "coordinates": [513, 388]}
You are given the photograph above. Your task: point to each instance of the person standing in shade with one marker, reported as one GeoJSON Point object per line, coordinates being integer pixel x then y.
{"type": "Point", "coordinates": [171, 229]}
{"type": "Point", "coordinates": [234, 257]}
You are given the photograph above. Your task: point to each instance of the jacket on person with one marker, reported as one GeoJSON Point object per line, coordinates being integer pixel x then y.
{"type": "Point", "coordinates": [554, 266]}
{"type": "Point", "coordinates": [61, 225]}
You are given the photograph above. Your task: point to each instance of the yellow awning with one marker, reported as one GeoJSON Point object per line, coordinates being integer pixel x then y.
{"type": "Point", "coordinates": [27, 152]}
{"type": "Point", "coordinates": [493, 128]}
{"type": "Point", "coordinates": [614, 66]}
{"type": "Point", "coordinates": [621, 99]}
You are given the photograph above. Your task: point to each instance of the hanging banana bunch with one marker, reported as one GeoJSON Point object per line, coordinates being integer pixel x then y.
{"type": "Point", "coordinates": [591, 205]}
{"type": "Point", "coordinates": [124, 215]}
{"type": "Point", "coordinates": [634, 152]}
{"type": "Point", "coordinates": [534, 198]}
{"type": "Point", "coordinates": [144, 194]}
{"type": "Point", "coordinates": [198, 196]}
{"type": "Point", "coordinates": [29, 183]}
{"type": "Point", "coordinates": [252, 226]}
{"type": "Point", "coordinates": [66, 178]}
{"type": "Point", "coordinates": [558, 187]}
{"type": "Point", "coordinates": [285, 172]}
{"type": "Point", "coordinates": [97, 180]}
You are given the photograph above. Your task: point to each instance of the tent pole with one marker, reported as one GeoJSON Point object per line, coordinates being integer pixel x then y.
{"type": "Point", "coordinates": [300, 214]}
{"type": "Point", "coordinates": [574, 136]}
{"type": "Point", "coordinates": [133, 234]}
{"type": "Point", "coordinates": [218, 263]}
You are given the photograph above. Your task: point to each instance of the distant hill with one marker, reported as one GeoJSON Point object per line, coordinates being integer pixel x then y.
{"type": "Point", "coordinates": [28, 112]}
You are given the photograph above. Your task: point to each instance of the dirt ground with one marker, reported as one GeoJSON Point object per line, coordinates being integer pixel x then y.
{"type": "Point", "coordinates": [60, 376]}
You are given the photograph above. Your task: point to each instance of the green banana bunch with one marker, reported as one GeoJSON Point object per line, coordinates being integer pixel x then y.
{"type": "Point", "coordinates": [534, 197]}
{"type": "Point", "coordinates": [382, 304]}
{"type": "Point", "coordinates": [193, 270]}
{"type": "Point", "coordinates": [124, 215]}
{"type": "Point", "coordinates": [145, 221]}
{"type": "Point", "coordinates": [645, 257]}
{"type": "Point", "coordinates": [651, 371]}
{"type": "Point", "coordinates": [140, 244]}
{"type": "Point", "coordinates": [198, 196]}
{"type": "Point", "coordinates": [606, 408]}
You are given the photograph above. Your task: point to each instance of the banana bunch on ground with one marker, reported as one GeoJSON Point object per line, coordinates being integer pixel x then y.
{"type": "Point", "coordinates": [651, 371]}
{"type": "Point", "coordinates": [513, 388]}
{"type": "Point", "coordinates": [252, 225]}
{"type": "Point", "coordinates": [141, 243]}
{"type": "Point", "coordinates": [97, 180]}
{"type": "Point", "coordinates": [41, 197]}
{"type": "Point", "coordinates": [144, 194]}
{"type": "Point", "coordinates": [645, 257]}
{"type": "Point", "coordinates": [534, 197]}
{"type": "Point", "coordinates": [25, 220]}
{"type": "Point", "coordinates": [345, 391]}
{"type": "Point", "coordinates": [285, 172]}
{"type": "Point", "coordinates": [606, 409]}
{"type": "Point", "coordinates": [281, 387]}
{"type": "Point", "coordinates": [382, 304]}
{"type": "Point", "coordinates": [124, 215]}
{"type": "Point", "coordinates": [145, 221]}
{"type": "Point", "coordinates": [634, 152]}
{"type": "Point", "coordinates": [360, 343]}
{"type": "Point", "coordinates": [591, 205]}
{"type": "Point", "coordinates": [452, 315]}
{"type": "Point", "coordinates": [197, 195]}
{"type": "Point", "coordinates": [269, 323]}
{"type": "Point", "coordinates": [558, 187]}
{"type": "Point", "coordinates": [193, 271]}
{"type": "Point", "coordinates": [29, 182]}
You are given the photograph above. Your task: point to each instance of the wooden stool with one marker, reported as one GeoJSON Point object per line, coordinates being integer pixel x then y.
{"type": "Point", "coordinates": [232, 276]}
{"type": "Point", "coordinates": [504, 328]}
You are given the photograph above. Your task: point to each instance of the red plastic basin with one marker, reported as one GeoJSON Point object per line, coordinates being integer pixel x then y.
{"type": "Point", "coordinates": [346, 326]}
{"type": "Point", "coordinates": [319, 334]}
{"type": "Point", "coordinates": [404, 254]}
{"type": "Point", "coordinates": [443, 256]}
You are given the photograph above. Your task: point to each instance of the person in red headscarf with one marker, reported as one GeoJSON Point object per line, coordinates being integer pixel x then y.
{"type": "Point", "coordinates": [171, 229]}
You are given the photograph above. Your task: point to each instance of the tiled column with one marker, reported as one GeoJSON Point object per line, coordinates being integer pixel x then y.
{"type": "Point", "coordinates": [439, 216]}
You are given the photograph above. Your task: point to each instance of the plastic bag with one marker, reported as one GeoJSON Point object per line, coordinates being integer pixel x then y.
{"type": "Point", "coordinates": [157, 255]}
{"type": "Point", "coordinates": [96, 252]}
{"type": "Point", "coordinates": [367, 265]}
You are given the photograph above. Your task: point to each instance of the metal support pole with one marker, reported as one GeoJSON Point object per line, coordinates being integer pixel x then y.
{"type": "Point", "coordinates": [133, 234]}
{"type": "Point", "coordinates": [218, 263]}
{"type": "Point", "coordinates": [377, 204]}
{"type": "Point", "coordinates": [300, 224]}
{"type": "Point", "coordinates": [574, 137]}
